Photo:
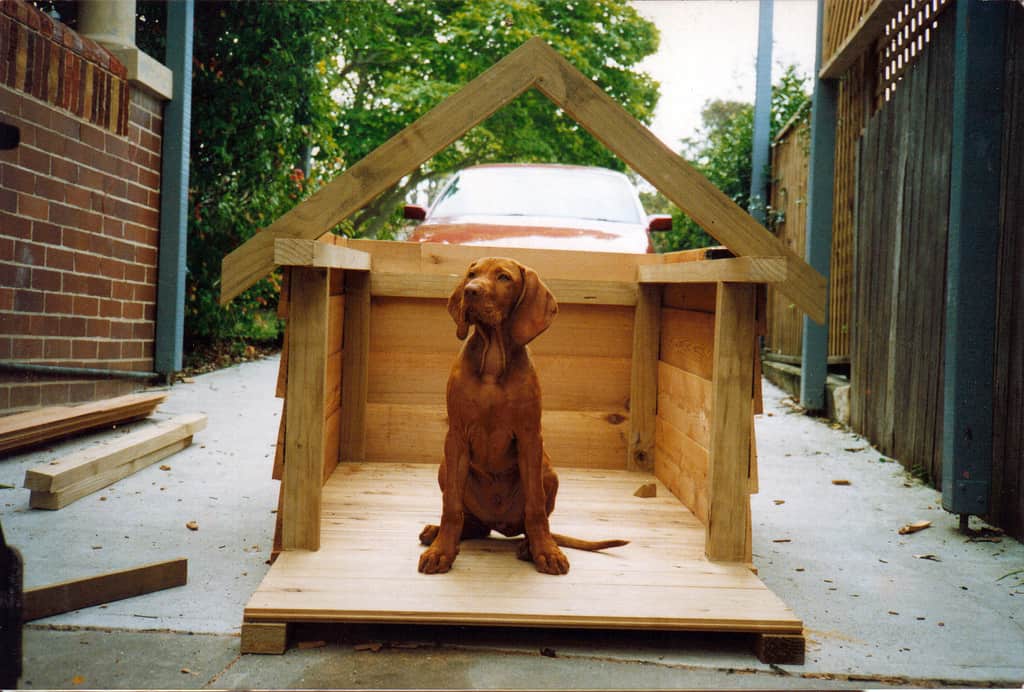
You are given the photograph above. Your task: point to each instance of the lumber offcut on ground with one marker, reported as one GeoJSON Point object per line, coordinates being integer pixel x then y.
{"type": "Point", "coordinates": [44, 601]}
{"type": "Point", "coordinates": [53, 422]}
{"type": "Point", "coordinates": [61, 482]}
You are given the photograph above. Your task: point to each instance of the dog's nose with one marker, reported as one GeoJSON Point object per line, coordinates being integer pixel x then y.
{"type": "Point", "coordinates": [472, 289]}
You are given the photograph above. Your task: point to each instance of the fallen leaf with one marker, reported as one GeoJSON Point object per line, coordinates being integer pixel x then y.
{"type": "Point", "coordinates": [77, 680]}
{"type": "Point", "coordinates": [549, 652]}
{"type": "Point", "coordinates": [320, 643]}
{"type": "Point", "coordinates": [781, 540]}
{"type": "Point", "coordinates": [4, 486]}
{"type": "Point", "coordinates": [893, 612]}
{"type": "Point", "coordinates": [192, 526]}
{"type": "Point", "coordinates": [371, 646]}
{"type": "Point", "coordinates": [840, 481]}
{"type": "Point", "coordinates": [779, 502]}
{"type": "Point", "coordinates": [928, 556]}
{"type": "Point", "coordinates": [165, 467]}
{"type": "Point", "coordinates": [854, 449]}
{"type": "Point", "coordinates": [914, 527]}
{"type": "Point", "coordinates": [103, 498]}
{"type": "Point", "coordinates": [646, 490]}
{"type": "Point", "coordinates": [186, 671]}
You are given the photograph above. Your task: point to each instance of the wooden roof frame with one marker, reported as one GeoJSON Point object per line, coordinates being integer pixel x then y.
{"type": "Point", "coordinates": [537, 65]}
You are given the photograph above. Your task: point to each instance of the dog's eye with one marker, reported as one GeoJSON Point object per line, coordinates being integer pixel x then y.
{"type": "Point", "coordinates": [471, 275]}
{"type": "Point", "coordinates": [504, 277]}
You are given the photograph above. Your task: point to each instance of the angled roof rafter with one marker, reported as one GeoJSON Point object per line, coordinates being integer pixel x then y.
{"type": "Point", "coordinates": [533, 65]}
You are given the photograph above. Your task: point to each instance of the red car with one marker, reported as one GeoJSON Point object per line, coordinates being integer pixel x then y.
{"type": "Point", "coordinates": [545, 206]}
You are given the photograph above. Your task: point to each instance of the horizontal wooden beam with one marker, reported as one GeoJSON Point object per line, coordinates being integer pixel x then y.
{"type": "Point", "coordinates": [44, 601]}
{"type": "Point", "coordinates": [758, 270]}
{"type": "Point", "coordinates": [566, 291]}
{"type": "Point", "coordinates": [299, 252]}
{"type": "Point", "coordinates": [860, 40]}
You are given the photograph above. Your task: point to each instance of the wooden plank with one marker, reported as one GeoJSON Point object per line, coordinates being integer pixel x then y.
{"type": "Point", "coordinates": [415, 434]}
{"type": "Point", "coordinates": [111, 454]}
{"type": "Point", "coordinates": [737, 269]}
{"type": "Point", "coordinates": [264, 637]}
{"type": "Point", "coordinates": [684, 400]}
{"type": "Point", "coordinates": [383, 167]}
{"type": "Point", "coordinates": [366, 570]}
{"type": "Point", "coordinates": [45, 424]}
{"type": "Point", "coordinates": [299, 252]}
{"type": "Point", "coordinates": [355, 365]}
{"type": "Point", "coordinates": [682, 465]}
{"type": "Point", "coordinates": [278, 471]}
{"type": "Point", "coordinates": [551, 265]}
{"type": "Point", "coordinates": [567, 382]}
{"type": "Point", "coordinates": [643, 393]}
{"type": "Point", "coordinates": [305, 422]}
{"type": "Point", "coordinates": [74, 594]}
{"type": "Point", "coordinates": [868, 30]}
{"type": "Point", "coordinates": [674, 177]}
{"type": "Point", "coordinates": [402, 325]}
{"type": "Point", "coordinates": [699, 297]}
{"type": "Point", "coordinates": [729, 453]}
{"type": "Point", "coordinates": [41, 499]}
{"type": "Point", "coordinates": [566, 291]}
{"type": "Point", "coordinates": [687, 340]}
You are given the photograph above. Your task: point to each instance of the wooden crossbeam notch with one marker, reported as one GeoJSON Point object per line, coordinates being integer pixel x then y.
{"type": "Point", "coordinates": [298, 252]}
{"type": "Point", "coordinates": [53, 422]}
{"type": "Point", "coordinates": [61, 482]}
{"type": "Point", "coordinates": [63, 597]}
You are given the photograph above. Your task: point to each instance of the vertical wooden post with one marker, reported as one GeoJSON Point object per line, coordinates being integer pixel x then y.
{"type": "Point", "coordinates": [355, 365]}
{"type": "Point", "coordinates": [304, 424]}
{"type": "Point", "coordinates": [729, 453]}
{"type": "Point", "coordinates": [972, 257]}
{"type": "Point", "coordinates": [643, 389]}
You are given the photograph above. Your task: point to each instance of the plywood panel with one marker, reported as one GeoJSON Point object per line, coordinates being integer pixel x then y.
{"type": "Point", "coordinates": [684, 400]}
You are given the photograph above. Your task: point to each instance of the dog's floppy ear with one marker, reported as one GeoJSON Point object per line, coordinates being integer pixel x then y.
{"type": "Point", "coordinates": [457, 309]}
{"type": "Point", "coordinates": [535, 310]}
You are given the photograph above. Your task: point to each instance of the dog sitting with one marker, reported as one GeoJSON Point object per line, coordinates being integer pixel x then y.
{"type": "Point", "coordinates": [495, 474]}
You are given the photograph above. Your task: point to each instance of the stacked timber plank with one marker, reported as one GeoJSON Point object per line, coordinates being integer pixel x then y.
{"type": "Point", "coordinates": [61, 482]}
{"type": "Point", "coordinates": [51, 423]}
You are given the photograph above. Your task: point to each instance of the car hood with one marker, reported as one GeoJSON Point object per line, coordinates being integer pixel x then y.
{"type": "Point", "coordinates": [546, 233]}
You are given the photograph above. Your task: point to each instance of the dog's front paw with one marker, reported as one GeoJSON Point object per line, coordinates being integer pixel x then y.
{"type": "Point", "coordinates": [550, 560]}
{"type": "Point", "coordinates": [436, 561]}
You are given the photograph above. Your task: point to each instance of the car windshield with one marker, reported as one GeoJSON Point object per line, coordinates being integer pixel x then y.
{"type": "Point", "coordinates": [536, 191]}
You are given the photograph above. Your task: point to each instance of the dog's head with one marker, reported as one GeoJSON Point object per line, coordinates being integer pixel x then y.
{"type": "Point", "coordinates": [497, 291]}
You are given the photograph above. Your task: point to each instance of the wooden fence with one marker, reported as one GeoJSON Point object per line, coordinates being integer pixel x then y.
{"type": "Point", "coordinates": [1008, 386]}
{"type": "Point", "coordinates": [788, 200]}
{"type": "Point", "coordinates": [899, 265]}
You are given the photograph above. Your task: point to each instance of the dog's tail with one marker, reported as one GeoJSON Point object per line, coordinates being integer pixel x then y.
{"type": "Point", "coordinates": [580, 544]}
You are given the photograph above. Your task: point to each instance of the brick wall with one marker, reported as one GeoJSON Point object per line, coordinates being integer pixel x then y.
{"type": "Point", "coordinates": [79, 212]}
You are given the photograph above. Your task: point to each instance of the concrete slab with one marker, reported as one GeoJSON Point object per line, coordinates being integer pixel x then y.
{"type": "Point", "coordinates": [875, 609]}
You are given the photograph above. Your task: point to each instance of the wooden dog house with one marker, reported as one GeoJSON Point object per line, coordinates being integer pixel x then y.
{"type": "Point", "coordinates": [649, 376]}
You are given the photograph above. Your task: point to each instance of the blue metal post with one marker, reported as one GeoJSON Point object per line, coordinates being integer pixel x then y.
{"type": "Point", "coordinates": [760, 158]}
{"type": "Point", "coordinates": [170, 301]}
{"type": "Point", "coordinates": [814, 363]}
{"type": "Point", "coordinates": [971, 257]}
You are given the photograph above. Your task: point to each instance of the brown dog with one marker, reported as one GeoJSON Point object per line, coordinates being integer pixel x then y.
{"type": "Point", "coordinates": [496, 474]}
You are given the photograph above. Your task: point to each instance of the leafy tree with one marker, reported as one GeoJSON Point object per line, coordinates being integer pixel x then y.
{"type": "Point", "coordinates": [722, 152]}
{"type": "Point", "coordinates": [288, 94]}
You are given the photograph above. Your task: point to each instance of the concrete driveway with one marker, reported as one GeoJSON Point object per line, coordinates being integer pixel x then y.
{"type": "Point", "coordinates": [932, 608]}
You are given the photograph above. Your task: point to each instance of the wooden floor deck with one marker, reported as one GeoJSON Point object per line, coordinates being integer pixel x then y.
{"type": "Point", "coordinates": [366, 570]}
